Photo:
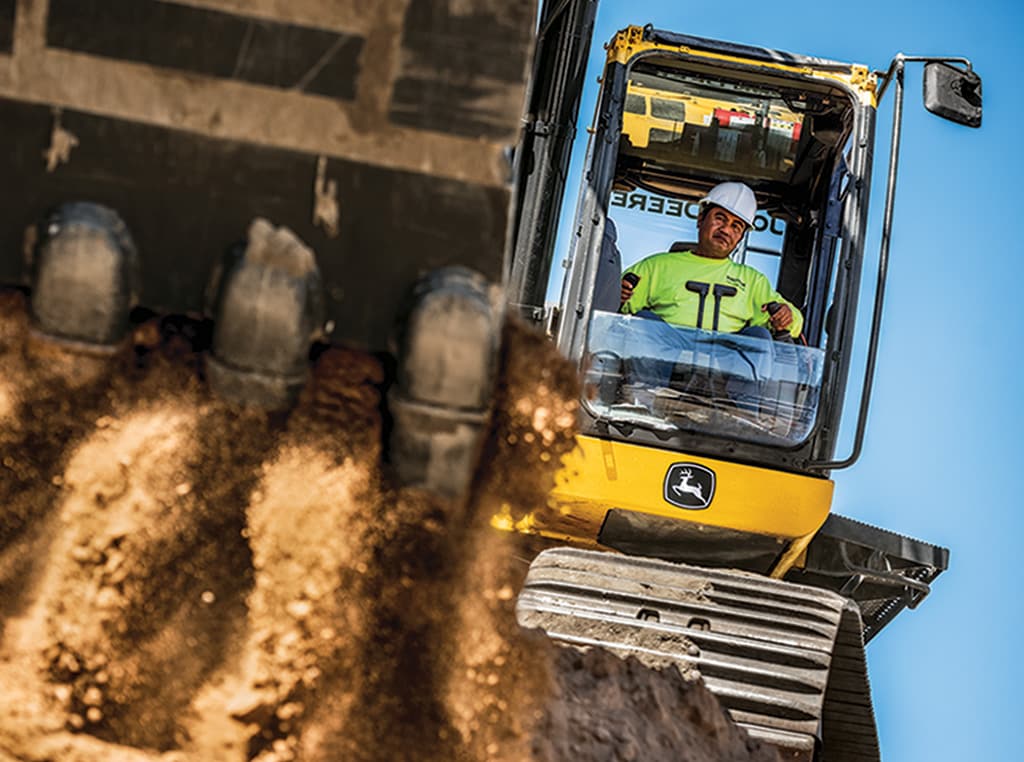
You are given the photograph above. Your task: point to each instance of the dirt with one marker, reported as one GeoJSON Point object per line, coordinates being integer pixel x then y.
{"type": "Point", "coordinates": [185, 580]}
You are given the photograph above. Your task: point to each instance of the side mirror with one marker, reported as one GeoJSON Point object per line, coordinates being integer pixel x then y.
{"type": "Point", "coordinates": [953, 93]}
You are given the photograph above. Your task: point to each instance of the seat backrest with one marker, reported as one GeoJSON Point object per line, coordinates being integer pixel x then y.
{"type": "Point", "coordinates": [684, 246]}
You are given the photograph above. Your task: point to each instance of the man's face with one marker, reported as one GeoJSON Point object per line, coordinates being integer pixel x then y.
{"type": "Point", "coordinates": [720, 232]}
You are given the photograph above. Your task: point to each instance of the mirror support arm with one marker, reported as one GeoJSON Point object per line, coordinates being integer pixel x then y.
{"type": "Point", "coordinates": [900, 60]}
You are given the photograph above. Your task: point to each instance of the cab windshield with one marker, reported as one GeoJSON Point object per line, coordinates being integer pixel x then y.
{"type": "Point", "coordinates": [658, 376]}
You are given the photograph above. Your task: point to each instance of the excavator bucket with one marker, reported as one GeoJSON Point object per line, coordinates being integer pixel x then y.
{"type": "Point", "coordinates": [144, 137]}
{"type": "Point", "coordinates": [284, 173]}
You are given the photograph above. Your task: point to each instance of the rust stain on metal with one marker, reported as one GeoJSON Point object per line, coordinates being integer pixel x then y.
{"type": "Point", "coordinates": [62, 142]}
{"type": "Point", "coordinates": [325, 200]}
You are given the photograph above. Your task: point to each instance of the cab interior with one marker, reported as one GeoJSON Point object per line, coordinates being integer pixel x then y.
{"type": "Point", "coordinates": [785, 138]}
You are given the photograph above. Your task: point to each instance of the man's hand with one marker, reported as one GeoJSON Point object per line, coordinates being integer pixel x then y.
{"type": "Point", "coordinates": [629, 281]}
{"type": "Point", "coordinates": [781, 318]}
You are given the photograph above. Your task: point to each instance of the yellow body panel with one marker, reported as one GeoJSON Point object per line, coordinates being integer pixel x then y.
{"type": "Point", "coordinates": [629, 42]}
{"type": "Point", "coordinates": [603, 474]}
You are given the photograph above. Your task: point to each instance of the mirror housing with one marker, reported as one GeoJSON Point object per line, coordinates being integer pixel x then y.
{"type": "Point", "coordinates": [953, 93]}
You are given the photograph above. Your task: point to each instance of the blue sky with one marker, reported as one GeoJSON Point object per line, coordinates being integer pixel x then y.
{"type": "Point", "coordinates": [941, 460]}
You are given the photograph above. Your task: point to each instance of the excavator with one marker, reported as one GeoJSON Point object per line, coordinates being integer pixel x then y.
{"type": "Point", "coordinates": [392, 177]}
{"type": "Point", "coordinates": [729, 560]}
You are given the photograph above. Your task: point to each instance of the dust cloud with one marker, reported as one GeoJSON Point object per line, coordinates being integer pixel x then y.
{"type": "Point", "coordinates": [185, 580]}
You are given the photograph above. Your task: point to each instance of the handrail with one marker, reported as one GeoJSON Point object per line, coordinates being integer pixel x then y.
{"type": "Point", "coordinates": [893, 73]}
{"type": "Point", "coordinates": [883, 266]}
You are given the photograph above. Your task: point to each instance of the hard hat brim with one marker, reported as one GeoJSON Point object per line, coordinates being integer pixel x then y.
{"type": "Point", "coordinates": [705, 203]}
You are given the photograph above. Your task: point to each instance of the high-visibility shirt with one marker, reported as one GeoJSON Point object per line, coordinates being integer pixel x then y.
{"type": "Point", "coordinates": [662, 290]}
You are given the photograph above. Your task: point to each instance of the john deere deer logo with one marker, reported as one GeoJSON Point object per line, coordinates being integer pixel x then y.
{"type": "Point", "coordinates": [684, 486]}
{"type": "Point", "coordinates": [689, 486]}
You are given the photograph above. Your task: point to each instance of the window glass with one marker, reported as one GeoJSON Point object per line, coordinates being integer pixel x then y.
{"type": "Point", "coordinates": [635, 104]}
{"type": "Point", "coordinates": [647, 222]}
{"type": "Point", "coordinates": [662, 108]}
{"type": "Point", "coordinates": [663, 377]}
{"type": "Point", "coordinates": [669, 377]}
{"type": "Point", "coordinates": [717, 127]}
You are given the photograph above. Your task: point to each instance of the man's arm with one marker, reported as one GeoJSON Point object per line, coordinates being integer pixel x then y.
{"type": "Point", "coordinates": [780, 315]}
{"type": "Point", "coordinates": [629, 281]}
{"type": "Point", "coordinates": [786, 317]}
{"type": "Point", "coordinates": [636, 288]}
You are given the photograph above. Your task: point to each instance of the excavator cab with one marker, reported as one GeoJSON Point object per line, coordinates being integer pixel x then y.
{"type": "Point", "coordinates": [694, 430]}
{"type": "Point", "coordinates": [711, 448]}
{"type": "Point", "coordinates": [791, 137]}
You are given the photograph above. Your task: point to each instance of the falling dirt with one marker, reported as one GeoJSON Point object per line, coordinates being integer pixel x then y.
{"type": "Point", "coordinates": [182, 580]}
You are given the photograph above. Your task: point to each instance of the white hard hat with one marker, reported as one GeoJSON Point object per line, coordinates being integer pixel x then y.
{"type": "Point", "coordinates": [733, 197]}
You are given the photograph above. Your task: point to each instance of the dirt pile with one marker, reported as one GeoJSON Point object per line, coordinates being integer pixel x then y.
{"type": "Point", "coordinates": [183, 580]}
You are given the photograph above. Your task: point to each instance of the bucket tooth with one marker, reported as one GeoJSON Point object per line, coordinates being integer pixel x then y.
{"type": "Point", "coordinates": [84, 279]}
{"type": "Point", "coordinates": [440, 403]}
{"type": "Point", "coordinates": [268, 307]}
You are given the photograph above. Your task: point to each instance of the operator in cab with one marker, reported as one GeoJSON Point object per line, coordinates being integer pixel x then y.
{"type": "Point", "coordinates": [705, 289]}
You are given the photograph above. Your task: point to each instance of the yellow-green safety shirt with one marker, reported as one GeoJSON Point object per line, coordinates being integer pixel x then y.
{"type": "Point", "coordinates": [662, 290]}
